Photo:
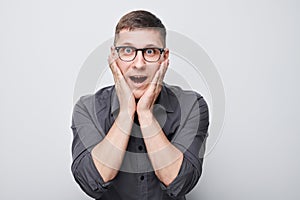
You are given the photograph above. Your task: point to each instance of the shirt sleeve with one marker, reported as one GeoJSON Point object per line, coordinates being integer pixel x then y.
{"type": "Point", "coordinates": [190, 139]}
{"type": "Point", "coordinates": [86, 134]}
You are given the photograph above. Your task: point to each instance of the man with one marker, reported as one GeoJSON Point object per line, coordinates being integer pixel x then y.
{"type": "Point", "coordinates": [141, 138]}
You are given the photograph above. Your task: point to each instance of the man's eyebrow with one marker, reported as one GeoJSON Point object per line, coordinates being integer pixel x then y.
{"type": "Point", "coordinates": [127, 44]}
{"type": "Point", "coordinates": [151, 45]}
{"type": "Point", "coordinates": [131, 45]}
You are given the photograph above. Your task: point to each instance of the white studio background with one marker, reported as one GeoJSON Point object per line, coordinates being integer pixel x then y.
{"type": "Point", "coordinates": [254, 44]}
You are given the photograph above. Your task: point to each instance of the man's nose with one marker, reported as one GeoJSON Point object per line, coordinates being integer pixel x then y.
{"type": "Point", "coordinates": [139, 61]}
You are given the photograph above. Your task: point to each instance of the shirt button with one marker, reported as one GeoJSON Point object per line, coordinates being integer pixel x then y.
{"type": "Point", "coordinates": [140, 147]}
{"type": "Point", "coordinates": [142, 177]}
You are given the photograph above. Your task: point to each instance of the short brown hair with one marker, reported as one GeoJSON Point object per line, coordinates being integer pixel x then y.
{"type": "Point", "coordinates": [141, 19]}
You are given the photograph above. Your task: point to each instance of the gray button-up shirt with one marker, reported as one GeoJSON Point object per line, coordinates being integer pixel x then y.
{"type": "Point", "coordinates": [183, 116]}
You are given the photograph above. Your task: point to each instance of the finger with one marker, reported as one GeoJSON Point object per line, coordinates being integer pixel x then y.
{"type": "Point", "coordinates": [114, 67]}
{"type": "Point", "coordinates": [112, 57]}
{"type": "Point", "coordinates": [162, 71]}
{"type": "Point", "coordinates": [112, 62]}
{"type": "Point", "coordinates": [166, 65]}
{"type": "Point", "coordinates": [155, 80]}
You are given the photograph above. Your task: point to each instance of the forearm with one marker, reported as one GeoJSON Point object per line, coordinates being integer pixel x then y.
{"type": "Point", "coordinates": [166, 159]}
{"type": "Point", "coordinates": [109, 153]}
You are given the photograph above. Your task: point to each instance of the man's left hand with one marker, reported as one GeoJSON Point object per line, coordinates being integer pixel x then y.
{"type": "Point", "coordinates": [145, 103]}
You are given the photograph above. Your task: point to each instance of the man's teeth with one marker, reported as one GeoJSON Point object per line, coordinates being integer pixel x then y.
{"type": "Point", "coordinates": [138, 79]}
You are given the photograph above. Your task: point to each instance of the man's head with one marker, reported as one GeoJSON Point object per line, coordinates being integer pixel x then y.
{"type": "Point", "coordinates": [139, 48]}
{"type": "Point", "coordinates": [140, 19]}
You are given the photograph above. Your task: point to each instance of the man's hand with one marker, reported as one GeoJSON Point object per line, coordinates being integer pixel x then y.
{"type": "Point", "coordinates": [116, 140]}
{"type": "Point", "coordinates": [145, 104]}
{"type": "Point", "coordinates": [125, 96]}
{"type": "Point", "coordinates": [165, 158]}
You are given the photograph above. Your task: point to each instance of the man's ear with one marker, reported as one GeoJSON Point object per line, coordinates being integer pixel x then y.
{"type": "Point", "coordinates": [112, 49]}
{"type": "Point", "coordinates": [113, 52]}
{"type": "Point", "coordinates": [166, 53]}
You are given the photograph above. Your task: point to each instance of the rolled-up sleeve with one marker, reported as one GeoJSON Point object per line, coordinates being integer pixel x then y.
{"type": "Point", "coordinates": [190, 138]}
{"type": "Point", "coordinates": [86, 134]}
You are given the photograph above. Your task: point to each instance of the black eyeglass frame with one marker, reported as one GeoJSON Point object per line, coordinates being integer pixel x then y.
{"type": "Point", "coordinates": [161, 50]}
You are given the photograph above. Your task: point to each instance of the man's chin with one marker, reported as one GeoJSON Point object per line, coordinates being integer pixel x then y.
{"type": "Point", "coordinates": [138, 93]}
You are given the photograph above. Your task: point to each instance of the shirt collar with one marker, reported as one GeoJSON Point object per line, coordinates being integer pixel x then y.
{"type": "Point", "coordinates": [164, 99]}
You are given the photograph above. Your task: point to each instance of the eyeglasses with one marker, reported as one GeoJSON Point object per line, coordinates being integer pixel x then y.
{"type": "Point", "coordinates": [128, 53]}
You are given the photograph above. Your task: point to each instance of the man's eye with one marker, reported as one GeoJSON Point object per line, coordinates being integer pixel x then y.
{"type": "Point", "coordinates": [150, 51]}
{"type": "Point", "coordinates": [128, 50]}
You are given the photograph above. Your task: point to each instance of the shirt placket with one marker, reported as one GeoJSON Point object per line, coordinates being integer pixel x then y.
{"type": "Point", "coordinates": [141, 175]}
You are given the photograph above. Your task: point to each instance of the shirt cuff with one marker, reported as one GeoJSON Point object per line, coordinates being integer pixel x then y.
{"type": "Point", "coordinates": [89, 179]}
{"type": "Point", "coordinates": [184, 182]}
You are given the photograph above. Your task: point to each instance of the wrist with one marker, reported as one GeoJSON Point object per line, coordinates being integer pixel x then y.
{"type": "Point", "coordinates": [149, 126]}
{"type": "Point", "coordinates": [145, 118]}
{"type": "Point", "coordinates": [126, 114]}
{"type": "Point", "coordinates": [124, 121]}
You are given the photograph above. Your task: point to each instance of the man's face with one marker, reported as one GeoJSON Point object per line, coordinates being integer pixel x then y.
{"type": "Point", "coordinates": [138, 73]}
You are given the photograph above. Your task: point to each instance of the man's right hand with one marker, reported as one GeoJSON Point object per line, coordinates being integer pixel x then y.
{"type": "Point", "coordinates": [125, 95]}
{"type": "Point", "coordinates": [116, 140]}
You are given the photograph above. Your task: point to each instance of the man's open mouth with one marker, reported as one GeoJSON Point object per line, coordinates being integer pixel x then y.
{"type": "Point", "coordinates": [138, 79]}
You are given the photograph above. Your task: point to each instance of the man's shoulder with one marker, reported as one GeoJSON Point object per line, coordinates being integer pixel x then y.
{"type": "Point", "coordinates": [102, 94]}
{"type": "Point", "coordinates": [105, 92]}
{"type": "Point", "coordinates": [182, 93]}
{"type": "Point", "coordinates": [186, 98]}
